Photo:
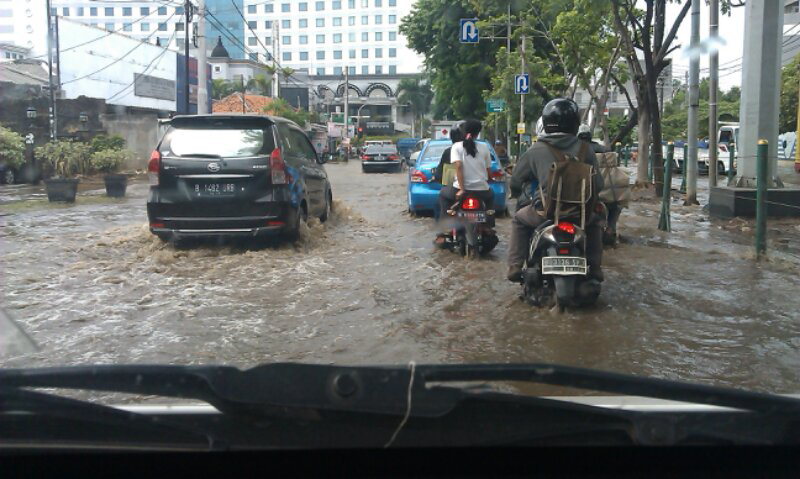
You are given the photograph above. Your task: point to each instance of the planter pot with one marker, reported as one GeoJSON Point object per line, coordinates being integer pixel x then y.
{"type": "Point", "coordinates": [62, 189]}
{"type": "Point", "coordinates": [116, 185]}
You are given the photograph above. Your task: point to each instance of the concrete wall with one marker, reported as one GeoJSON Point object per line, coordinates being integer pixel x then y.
{"type": "Point", "coordinates": [140, 130]}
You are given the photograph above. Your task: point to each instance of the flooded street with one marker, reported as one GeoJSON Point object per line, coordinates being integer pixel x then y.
{"type": "Point", "coordinates": [90, 284]}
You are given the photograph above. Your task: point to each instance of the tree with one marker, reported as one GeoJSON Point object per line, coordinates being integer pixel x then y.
{"type": "Point", "coordinates": [282, 108]}
{"type": "Point", "coordinates": [416, 92]}
{"type": "Point", "coordinates": [790, 79]}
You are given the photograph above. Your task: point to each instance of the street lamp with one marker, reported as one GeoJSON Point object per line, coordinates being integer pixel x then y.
{"type": "Point", "coordinates": [83, 117]}
{"type": "Point", "coordinates": [31, 112]}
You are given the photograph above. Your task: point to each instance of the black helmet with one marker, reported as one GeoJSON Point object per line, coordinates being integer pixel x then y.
{"type": "Point", "coordinates": [456, 134]}
{"type": "Point", "coordinates": [561, 115]}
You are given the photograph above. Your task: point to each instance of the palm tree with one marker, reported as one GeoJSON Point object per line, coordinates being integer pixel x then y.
{"type": "Point", "coordinates": [260, 85]}
{"type": "Point", "coordinates": [416, 92]}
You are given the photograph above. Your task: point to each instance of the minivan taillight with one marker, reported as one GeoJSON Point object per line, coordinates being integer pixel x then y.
{"type": "Point", "coordinates": [277, 167]}
{"type": "Point", "coordinates": [154, 167]}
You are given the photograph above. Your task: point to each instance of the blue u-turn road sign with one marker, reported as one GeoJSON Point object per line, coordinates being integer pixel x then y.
{"type": "Point", "coordinates": [468, 31]}
{"type": "Point", "coordinates": [521, 84]}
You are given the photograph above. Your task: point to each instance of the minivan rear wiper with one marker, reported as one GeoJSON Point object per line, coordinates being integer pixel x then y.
{"type": "Point", "coordinates": [201, 155]}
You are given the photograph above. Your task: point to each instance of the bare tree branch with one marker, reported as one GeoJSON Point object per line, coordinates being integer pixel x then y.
{"type": "Point", "coordinates": [664, 51]}
{"type": "Point", "coordinates": [624, 91]}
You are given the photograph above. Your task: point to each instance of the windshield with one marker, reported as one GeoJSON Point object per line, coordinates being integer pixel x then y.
{"type": "Point", "coordinates": [273, 197]}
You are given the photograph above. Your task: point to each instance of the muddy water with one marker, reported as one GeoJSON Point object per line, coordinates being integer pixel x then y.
{"type": "Point", "coordinates": [92, 285]}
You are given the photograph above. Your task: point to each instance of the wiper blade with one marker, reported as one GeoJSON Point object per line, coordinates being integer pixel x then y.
{"type": "Point", "coordinates": [381, 390]}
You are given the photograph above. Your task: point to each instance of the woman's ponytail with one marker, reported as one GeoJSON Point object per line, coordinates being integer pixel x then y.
{"type": "Point", "coordinates": [471, 130]}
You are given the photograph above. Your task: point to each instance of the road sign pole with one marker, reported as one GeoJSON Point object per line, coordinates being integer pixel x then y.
{"type": "Point", "coordinates": [522, 95]}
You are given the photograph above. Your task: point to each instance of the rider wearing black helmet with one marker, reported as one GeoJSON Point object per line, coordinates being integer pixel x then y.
{"type": "Point", "coordinates": [456, 135]}
{"type": "Point", "coordinates": [561, 119]}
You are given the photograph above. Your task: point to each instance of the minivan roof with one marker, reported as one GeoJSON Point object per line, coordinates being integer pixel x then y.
{"type": "Point", "coordinates": [272, 119]}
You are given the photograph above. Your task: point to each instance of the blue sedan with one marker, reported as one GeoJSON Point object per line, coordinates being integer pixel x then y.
{"type": "Point", "coordinates": [423, 196]}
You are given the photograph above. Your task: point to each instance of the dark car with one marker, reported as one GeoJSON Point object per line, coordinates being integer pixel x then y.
{"type": "Point", "coordinates": [381, 158]}
{"type": "Point", "coordinates": [235, 175]}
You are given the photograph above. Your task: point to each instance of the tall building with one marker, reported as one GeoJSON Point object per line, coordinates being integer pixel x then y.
{"type": "Point", "coordinates": [23, 28]}
{"type": "Point", "coordinates": [326, 37]}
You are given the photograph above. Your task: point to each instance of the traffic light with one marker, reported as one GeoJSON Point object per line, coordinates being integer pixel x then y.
{"type": "Point", "coordinates": [360, 131]}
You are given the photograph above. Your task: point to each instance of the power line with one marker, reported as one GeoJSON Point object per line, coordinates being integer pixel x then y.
{"type": "Point", "coordinates": [146, 68]}
{"type": "Point", "coordinates": [142, 42]}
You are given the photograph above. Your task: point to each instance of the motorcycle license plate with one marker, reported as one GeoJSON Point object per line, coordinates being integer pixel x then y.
{"type": "Point", "coordinates": [563, 265]}
{"type": "Point", "coordinates": [474, 216]}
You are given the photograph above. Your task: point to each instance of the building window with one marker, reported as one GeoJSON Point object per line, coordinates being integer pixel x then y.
{"type": "Point", "coordinates": [364, 36]}
{"type": "Point", "coordinates": [303, 39]}
{"type": "Point", "coordinates": [392, 36]}
{"type": "Point", "coordinates": [337, 38]}
{"type": "Point", "coordinates": [351, 54]}
{"type": "Point", "coordinates": [285, 7]}
{"type": "Point", "coordinates": [145, 27]}
{"type": "Point", "coordinates": [65, 11]}
{"type": "Point", "coordinates": [80, 12]}
{"type": "Point", "coordinates": [365, 53]}
{"type": "Point", "coordinates": [179, 27]}
{"type": "Point", "coordinates": [251, 9]}
{"type": "Point", "coordinates": [286, 24]}
{"type": "Point", "coordinates": [252, 24]}
{"type": "Point", "coordinates": [320, 6]}
{"type": "Point", "coordinates": [162, 10]}
{"type": "Point", "coordinates": [393, 53]}
{"type": "Point", "coordinates": [144, 11]}
{"type": "Point", "coordinates": [378, 3]}
{"type": "Point", "coordinates": [337, 4]}
{"type": "Point", "coordinates": [365, 70]}
{"type": "Point", "coordinates": [351, 3]}
{"type": "Point", "coordinates": [365, 20]}
{"type": "Point", "coordinates": [109, 11]}
{"type": "Point", "coordinates": [287, 56]}
{"type": "Point", "coordinates": [179, 10]}
{"type": "Point", "coordinates": [267, 8]}
{"type": "Point", "coordinates": [378, 19]}
{"type": "Point", "coordinates": [320, 22]}
{"type": "Point", "coordinates": [268, 24]}
{"type": "Point", "coordinates": [378, 36]}
{"type": "Point", "coordinates": [110, 27]}
{"type": "Point", "coordinates": [303, 23]}
{"type": "Point", "coordinates": [92, 11]}
{"type": "Point", "coordinates": [217, 68]}
{"type": "Point", "coordinates": [337, 22]}
{"type": "Point", "coordinates": [337, 54]}
{"type": "Point", "coordinates": [392, 19]}
{"type": "Point", "coordinates": [351, 70]}
{"type": "Point", "coordinates": [351, 21]}
{"type": "Point", "coordinates": [164, 42]}
{"type": "Point", "coordinates": [320, 38]}
{"type": "Point", "coordinates": [320, 54]}
{"type": "Point", "coordinates": [392, 69]}
{"type": "Point", "coordinates": [379, 53]}
{"type": "Point", "coordinates": [127, 27]}
{"type": "Point", "coordinates": [378, 70]}
{"type": "Point", "coordinates": [267, 40]}
{"type": "Point", "coordinates": [251, 41]}
{"type": "Point", "coordinates": [351, 37]}
{"type": "Point", "coordinates": [364, 3]}
{"type": "Point", "coordinates": [337, 70]}
{"type": "Point", "coordinates": [320, 71]}
{"type": "Point", "coordinates": [392, 3]}
{"type": "Point", "coordinates": [303, 7]}
{"type": "Point", "coordinates": [286, 40]}
{"type": "Point", "coordinates": [303, 56]}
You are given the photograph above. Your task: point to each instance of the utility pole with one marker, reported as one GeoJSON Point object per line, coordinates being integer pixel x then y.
{"type": "Point", "coordinates": [50, 45]}
{"type": "Point", "coordinates": [346, 103]}
{"type": "Point", "coordinates": [713, 69]}
{"type": "Point", "coordinates": [275, 52]}
{"type": "Point", "coordinates": [694, 100]}
{"type": "Point", "coordinates": [187, 10]}
{"type": "Point", "coordinates": [202, 60]}
{"type": "Point", "coordinates": [508, 53]}
{"type": "Point", "coordinates": [521, 96]}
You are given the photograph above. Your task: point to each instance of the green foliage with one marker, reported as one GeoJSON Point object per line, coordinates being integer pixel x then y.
{"type": "Point", "coordinates": [12, 148]}
{"type": "Point", "coordinates": [282, 108]}
{"type": "Point", "coordinates": [109, 161]}
{"type": "Point", "coordinates": [675, 121]}
{"type": "Point", "coordinates": [790, 78]}
{"type": "Point", "coordinates": [105, 142]}
{"type": "Point", "coordinates": [65, 158]}
{"type": "Point", "coordinates": [615, 124]}
{"type": "Point", "coordinates": [416, 92]}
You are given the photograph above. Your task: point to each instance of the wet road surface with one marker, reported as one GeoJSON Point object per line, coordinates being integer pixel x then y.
{"type": "Point", "coordinates": [90, 284]}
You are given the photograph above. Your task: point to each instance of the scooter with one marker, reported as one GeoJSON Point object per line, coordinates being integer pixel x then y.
{"type": "Point", "coordinates": [555, 273]}
{"type": "Point", "coordinates": [473, 234]}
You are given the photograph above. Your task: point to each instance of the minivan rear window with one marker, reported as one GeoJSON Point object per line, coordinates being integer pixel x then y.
{"type": "Point", "coordinates": [223, 142]}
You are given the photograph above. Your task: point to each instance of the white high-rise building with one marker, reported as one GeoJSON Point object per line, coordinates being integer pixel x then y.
{"type": "Point", "coordinates": [23, 28]}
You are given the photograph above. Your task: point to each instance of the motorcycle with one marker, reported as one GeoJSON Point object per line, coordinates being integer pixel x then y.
{"type": "Point", "coordinates": [473, 234]}
{"type": "Point", "coordinates": [555, 273]}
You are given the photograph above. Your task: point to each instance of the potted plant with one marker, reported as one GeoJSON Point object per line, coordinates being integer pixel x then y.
{"type": "Point", "coordinates": [63, 160]}
{"type": "Point", "coordinates": [108, 162]}
{"type": "Point", "coordinates": [12, 155]}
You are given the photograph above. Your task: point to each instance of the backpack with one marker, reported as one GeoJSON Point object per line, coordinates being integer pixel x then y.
{"type": "Point", "coordinates": [569, 186]}
{"type": "Point", "coordinates": [616, 182]}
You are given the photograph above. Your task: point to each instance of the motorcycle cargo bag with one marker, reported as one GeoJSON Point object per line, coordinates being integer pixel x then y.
{"type": "Point", "coordinates": [616, 182]}
{"type": "Point", "coordinates": [569, 186]}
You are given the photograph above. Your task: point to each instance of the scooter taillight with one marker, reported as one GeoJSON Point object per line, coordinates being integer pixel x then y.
{"type": "Point", "coordinates": [470, 204]}
{"type": "Point", "coordinates": [566, 227]}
